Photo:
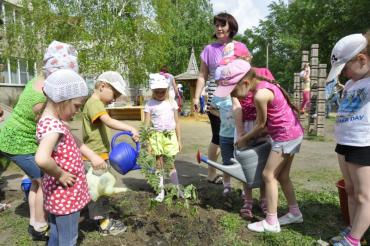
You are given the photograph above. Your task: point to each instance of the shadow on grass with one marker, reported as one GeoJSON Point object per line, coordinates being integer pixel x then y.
{"type": "Point", "coordinates": [322, 220]}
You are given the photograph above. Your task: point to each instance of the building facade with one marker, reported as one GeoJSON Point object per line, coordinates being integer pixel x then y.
{"type": "Point", "coordinates": [15, 72]}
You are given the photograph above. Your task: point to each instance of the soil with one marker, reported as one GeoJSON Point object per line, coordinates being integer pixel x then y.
{"type": "Point", "coordinates": [177, 225]}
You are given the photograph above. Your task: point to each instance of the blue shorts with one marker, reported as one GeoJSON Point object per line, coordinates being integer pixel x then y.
{"type": "Point", "coordinates": [227, 150]}
{"type": "Point", "coordinates": [27, 163]}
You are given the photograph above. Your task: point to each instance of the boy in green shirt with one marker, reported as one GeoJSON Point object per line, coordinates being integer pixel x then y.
{"type": "Point", "coordinates": [96, 135]}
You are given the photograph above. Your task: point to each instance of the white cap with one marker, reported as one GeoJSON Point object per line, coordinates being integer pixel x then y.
{"type": "Point", "coordinates": [65, 84]}
{"type": "Point", "coordinates": [157, 81]}
{"type": "Point", "coordinates": [179, 86]}
{"type": "Point", "coordinates": [344, 50]}
{"type": "Point", "coordinates": [115, 80]}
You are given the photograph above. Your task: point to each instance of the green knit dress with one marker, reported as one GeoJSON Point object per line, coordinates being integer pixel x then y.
{"type": "Point", "coordinates": [17, 136]}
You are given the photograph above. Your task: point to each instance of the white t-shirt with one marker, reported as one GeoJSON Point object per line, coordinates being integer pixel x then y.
{"type": "Point", "coordinates": [353, 118]}
{"type": "Point", "coordinates": [162, 114]}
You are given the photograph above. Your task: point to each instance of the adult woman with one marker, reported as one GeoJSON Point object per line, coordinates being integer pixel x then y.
{"type": "Point", "coordinates": [226, 28]}
{"type": "Point", "coordinates": [17, 136]}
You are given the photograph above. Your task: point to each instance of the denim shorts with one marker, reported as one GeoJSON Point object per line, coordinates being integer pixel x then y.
{"type": "Point", "coordinates": [27, 163]}
{"type": "Point", "coordinates": [290, 147]}
{"type": "Point", "coordinates": [227, 150]}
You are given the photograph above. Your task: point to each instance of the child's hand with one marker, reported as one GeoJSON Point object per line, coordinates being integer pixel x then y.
{"type": "Point", "coordinates": [240, 144]}
{"type": "Point", "coordinates": [98, 163]}
{"type": "Point", "coordinates": [135, 135]}
{"type": "Point", "coordinates": [67, 179]}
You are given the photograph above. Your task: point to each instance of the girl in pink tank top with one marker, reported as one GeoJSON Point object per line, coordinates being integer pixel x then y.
{"type": "Point", "coordinates": [277, 113]}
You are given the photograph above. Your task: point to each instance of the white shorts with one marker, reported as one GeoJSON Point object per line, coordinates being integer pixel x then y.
{"type": "Point", "coordinates": [288, 147]}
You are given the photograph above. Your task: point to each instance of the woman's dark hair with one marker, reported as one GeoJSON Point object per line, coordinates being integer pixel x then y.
{"type": "Point", "coordinates": [252, 74]}
{"type": "Point", "coordinates": [164, 69]}
{"type": "Point", "coordinates": [224, 18]}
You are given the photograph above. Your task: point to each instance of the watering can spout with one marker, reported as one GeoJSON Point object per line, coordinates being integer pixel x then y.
{"type": "Point", "coordinates": [235, 170]}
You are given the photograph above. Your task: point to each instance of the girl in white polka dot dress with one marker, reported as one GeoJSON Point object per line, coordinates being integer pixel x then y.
{"type": "Point", "coordinates": [59, 156]}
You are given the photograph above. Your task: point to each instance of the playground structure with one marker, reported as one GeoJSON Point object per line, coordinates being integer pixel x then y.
{"type": "Point", "coordinates": [189, 78]}
{"type": "Point", "coordinates": [314, 121]}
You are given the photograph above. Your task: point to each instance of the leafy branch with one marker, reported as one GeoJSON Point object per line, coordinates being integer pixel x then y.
{"type": "Point", "coordinates": [147, 161]}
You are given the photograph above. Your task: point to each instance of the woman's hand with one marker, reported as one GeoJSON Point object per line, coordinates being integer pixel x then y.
{"type": "Point", "coordinates": [67, 179]}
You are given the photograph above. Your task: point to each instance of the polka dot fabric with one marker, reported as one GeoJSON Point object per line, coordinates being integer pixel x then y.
{"type": "Point", "coordinates": [57, 199]}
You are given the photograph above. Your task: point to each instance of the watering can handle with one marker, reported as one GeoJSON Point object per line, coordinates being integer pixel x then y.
{"type": "Point", "coordinates": [120, 134]}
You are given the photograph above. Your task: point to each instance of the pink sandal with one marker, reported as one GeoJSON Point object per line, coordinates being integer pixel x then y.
{"type": "Point", "coordinates": [246, 211]}
{"type": "Point", "coordinates": [263, 206]}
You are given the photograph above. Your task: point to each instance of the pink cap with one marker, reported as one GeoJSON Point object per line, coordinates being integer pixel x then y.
{"type": "Point", "coordinates": [232, 51]}
{"type": "Point", "coordinates": [230, 75]}
{"type": "Point", "coordinates": [264, 72]}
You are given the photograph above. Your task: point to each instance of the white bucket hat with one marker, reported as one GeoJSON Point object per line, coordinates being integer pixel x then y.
{"type": "Point", "coordinates": [115, 80]}
{"type": "Point", "coordinates": [65, 84]}
{"type": "Point", "coordinates": [344, 50]}
{"type": "Point", "coordinates": [157, 81]}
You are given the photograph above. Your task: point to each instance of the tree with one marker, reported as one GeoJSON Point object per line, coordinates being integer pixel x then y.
{"type": "Point", "coordinates": [289, 29]}
{"type": "Point", "coordinates": [132, 37]}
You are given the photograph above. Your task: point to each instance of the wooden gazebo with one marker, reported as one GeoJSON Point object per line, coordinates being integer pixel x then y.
{"type": "Point", "coordinates": [190, 77]}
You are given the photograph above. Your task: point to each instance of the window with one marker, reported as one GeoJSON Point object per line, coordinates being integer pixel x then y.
{"type": "Point", "coordinates": [14, 71]}
{"type": "Point", "coordinates": [23, 71]}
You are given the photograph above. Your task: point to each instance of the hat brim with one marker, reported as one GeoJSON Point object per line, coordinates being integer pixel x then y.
{"type": "Point", "coordinates": [224, 91]}
{"type": "Point", "coordinates": [335, 71]}
{"type": "Point", "coordinates": [159, 86]}
{"type": "Point", "coordinates": [119, 89]}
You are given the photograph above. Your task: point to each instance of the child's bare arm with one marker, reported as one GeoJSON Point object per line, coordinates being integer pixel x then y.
{"type": "Point", "coordinates": [47, 163]}
{"type": "Point", "coordinates": [118, 125]}
{"type": "Point", "coordinates": [147, 119]}
{"type": "Point", "coordinates": [96, 161]}
{"type": "Point", "coordinates": [178, 131]}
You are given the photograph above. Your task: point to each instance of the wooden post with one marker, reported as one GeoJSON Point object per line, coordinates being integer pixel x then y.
{"type": "Point", "coordinates": [314, 87]}
{"type": "Point", "coordinates": [321, 101]}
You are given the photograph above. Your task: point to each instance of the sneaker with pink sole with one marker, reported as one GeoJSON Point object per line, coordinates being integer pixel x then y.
{"type": "Point", "coordinates": [290, 219]}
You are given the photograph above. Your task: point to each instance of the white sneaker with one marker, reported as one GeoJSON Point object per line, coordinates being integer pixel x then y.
{"type": "Point", "coordinates": [290, 219]}
{"type": "Point", "coordinates": [263, 226]}
{"type": "Point", "coordinates": [160, 197]}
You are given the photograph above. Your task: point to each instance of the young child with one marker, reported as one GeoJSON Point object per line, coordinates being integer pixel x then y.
{"type": "Point", "coordinates": [276, 112]}
{"type": "Point", "coordinates": [165, 141]}
{"type": "Point", "coordinates": [244, 113]}
{"type": "Point", "coordinates": [351, 56]}
{"type": "Point", "coordinates": [245, 119]}
{"type": "Point", "coordinates": [96, 135]}
{"type": "Point", "coordinates": [222, 107]}
{"type": "Point", "coordinates": [59, 156]}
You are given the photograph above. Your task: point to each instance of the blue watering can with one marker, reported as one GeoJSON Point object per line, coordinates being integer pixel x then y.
{"type": "Point", "coordinates": [122, 156]}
